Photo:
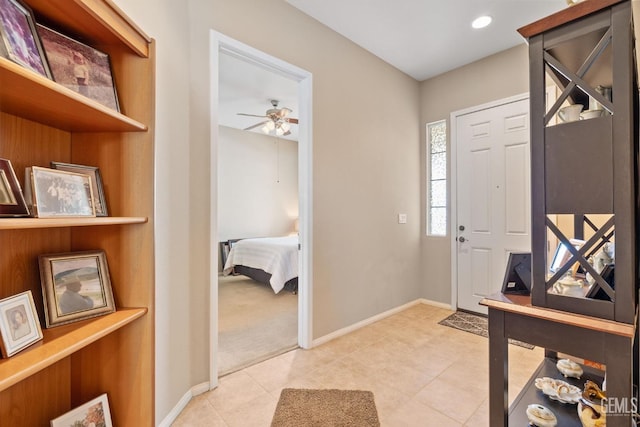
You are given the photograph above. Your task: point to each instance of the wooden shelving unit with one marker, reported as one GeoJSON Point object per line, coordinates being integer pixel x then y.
{"type": "Point", "coordinates": [42, 121]}
{"type": "Point", "coordinates": [579, 169]}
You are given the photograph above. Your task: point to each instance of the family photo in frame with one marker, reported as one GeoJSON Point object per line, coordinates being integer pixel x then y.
{"type": "Point", "coordinates": [20, 41]}
{"type": "Point", "coordinates": [79, 67]}
{"type": "Point", "coordinates": [53, 193]}
{"type": "Point", "coordinates": [99, 199]}
{"type": "Point", "coordinates": [19, 324]}
{"type": "Point", "coordinates": [75, 286]}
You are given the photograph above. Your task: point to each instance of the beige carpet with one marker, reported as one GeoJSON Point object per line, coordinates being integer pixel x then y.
{"type": "Point", "coordinates": [254, 324]}
{"type": "Point", "coordinates": [325, 408]}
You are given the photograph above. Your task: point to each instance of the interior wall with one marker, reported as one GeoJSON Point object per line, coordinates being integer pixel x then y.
{"type": "Point", "coordinates": [366, 165]}
{"type": "Point", "coordinates": [167, 22]}
{"type": "Point", "coordinates": [496, 77]}
{"type": "Point", "coordinates": [258, 185]}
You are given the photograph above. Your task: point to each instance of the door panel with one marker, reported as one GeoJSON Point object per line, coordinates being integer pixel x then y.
{"type": "Point", "coordinates": [493, 197]}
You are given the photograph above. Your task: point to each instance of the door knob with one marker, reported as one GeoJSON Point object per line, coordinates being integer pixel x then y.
{"type": "Point", "coordinates": [461, 239]}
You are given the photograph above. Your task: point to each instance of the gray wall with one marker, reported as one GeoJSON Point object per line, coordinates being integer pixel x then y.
{"type": "Point", "coordinates": [498, 76]}
{"type": "Point", "coordinates": [368, 136]}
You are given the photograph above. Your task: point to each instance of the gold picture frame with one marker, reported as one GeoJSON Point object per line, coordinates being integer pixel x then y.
{"type": "Point", "coordinates": [75, 286]}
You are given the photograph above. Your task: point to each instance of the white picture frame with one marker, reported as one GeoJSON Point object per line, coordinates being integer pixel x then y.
{"type": "Point", "coordinates": [19, 324]}
{"type": "Point", "coordinates": [93, 413]}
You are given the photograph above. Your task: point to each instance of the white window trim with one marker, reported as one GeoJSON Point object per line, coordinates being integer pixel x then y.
{"type": "Point", "coordinates": [429, 180]}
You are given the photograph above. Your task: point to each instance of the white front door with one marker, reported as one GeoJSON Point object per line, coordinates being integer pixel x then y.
{"type": "Point", "coordinates": [492, 197]}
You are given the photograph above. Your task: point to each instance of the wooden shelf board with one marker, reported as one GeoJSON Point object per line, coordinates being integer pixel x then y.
{"type": "Point", "coordinates": [61, 342]}
{"type": "Point", "coordinates": [101, 22]}
{"type": "Point", "coordinates": [522, 305]}
{"type": "Point", "coordinates": [24, 223]}
{"type": "Point", "coordinates": [27, 94]}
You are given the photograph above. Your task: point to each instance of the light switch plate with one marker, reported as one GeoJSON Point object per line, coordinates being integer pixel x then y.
{"type": "Point", "coordinates": [402, 218]}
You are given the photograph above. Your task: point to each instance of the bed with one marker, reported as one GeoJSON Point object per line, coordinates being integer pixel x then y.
{"type": "Point", "coordinates": [269, 260]}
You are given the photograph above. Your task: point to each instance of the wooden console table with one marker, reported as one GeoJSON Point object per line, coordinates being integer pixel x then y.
{"type": "Point", "coordinates": [604, 341]}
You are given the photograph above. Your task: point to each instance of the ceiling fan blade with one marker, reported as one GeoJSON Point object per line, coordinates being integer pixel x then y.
{"type": "Point", "coordinates": [256, 125]}
{"type": "Point", "coordinates": [291, 120]}
{"type": "Point", "coordinates": [287, 133]}
{"type": "Point", "coordinates": [250, 115]}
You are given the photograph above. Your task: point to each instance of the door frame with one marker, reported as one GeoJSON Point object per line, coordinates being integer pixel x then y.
{"type": "Point", "coordinates": [453, 228]}
{"type": "Point", "coordinates": [222, 43]}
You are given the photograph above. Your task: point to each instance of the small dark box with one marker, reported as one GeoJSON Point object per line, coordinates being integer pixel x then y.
{"type": "Point", "coordinates": [517, 278]}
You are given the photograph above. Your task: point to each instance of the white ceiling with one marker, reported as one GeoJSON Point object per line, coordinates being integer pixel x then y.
{"type": "Point", "coordinates": [422, 38]}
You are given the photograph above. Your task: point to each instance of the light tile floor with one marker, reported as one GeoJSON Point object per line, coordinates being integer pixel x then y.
{"type": "Point", "coordinates": [421, 373]}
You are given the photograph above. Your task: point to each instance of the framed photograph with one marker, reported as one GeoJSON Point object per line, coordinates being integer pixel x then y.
{"type": "Point", "coordinates": [93, 413]}
{"type": "Point", "coordinates": [12, 201]}
{"type": "Point", "coordinates": [54, 193]}
{"type": "Point", "coordinates": [75, 286]}
{"type": "Point", "coordinates": [79, 67]}
{"type": "Point", "coordinates": [99, 201]}
{"type": "Point", "coordinates": [20, 40]}
{"type": "Point", "coordinates": [19, 324]}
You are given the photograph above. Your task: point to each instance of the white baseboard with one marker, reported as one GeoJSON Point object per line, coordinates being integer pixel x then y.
{"type": "Point", "coordinates": [182, 403]}
{"type": "Point", "coordinates": [437, 304]}
{"type": "Point", "coordinates": [373, 319]}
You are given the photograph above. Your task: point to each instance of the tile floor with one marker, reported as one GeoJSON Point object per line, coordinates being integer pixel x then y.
{"type": "Point", "coordinates": [421, 373]}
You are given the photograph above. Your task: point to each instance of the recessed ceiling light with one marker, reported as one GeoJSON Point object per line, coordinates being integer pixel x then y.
{"type": "Point", "coordinates": [481, 21]}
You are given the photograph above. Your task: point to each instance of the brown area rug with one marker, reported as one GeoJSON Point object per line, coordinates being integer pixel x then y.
{"type": "Point", "coordinates": [475, 324]}
{"type": "Point", "coordinates": [324, 408]}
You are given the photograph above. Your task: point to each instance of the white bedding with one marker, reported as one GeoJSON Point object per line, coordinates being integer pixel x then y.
{"type": "Point", "coordinates": [275, 255]}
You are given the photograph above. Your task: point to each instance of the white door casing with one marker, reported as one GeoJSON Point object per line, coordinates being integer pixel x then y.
{"type": "Point", "coordinates": [220, 42]}
{"type": "Point", "coordinates": [491, 181]}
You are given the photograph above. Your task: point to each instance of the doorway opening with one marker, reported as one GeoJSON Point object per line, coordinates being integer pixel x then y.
{"type": "Point", "coordinates": [225, 51]}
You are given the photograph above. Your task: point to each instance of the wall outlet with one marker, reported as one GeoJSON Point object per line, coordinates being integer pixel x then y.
{"type": "Point", "coordinates": [402, 218]}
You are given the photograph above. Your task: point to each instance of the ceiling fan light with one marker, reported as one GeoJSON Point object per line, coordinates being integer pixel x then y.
{"type": "Point", "coordinates": [270, 125]}
{"type": "Point", "coordinates": [265, 129]}
{"type": "Point", "coordinates": [279, 131]}
{"type": "Point", "coordinates": [285, 127]}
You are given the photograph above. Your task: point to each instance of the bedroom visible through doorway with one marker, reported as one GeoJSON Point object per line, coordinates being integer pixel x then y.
{"type": "Point", "coordinates": [260, 154]}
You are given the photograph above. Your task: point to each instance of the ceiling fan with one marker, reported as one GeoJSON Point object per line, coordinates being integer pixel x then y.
{"type": "Point", "coordinates": [277, 120]}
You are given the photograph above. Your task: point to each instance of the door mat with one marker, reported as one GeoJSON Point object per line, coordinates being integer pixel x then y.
{"type": "Point", "coordinates": [325, 407]}
{"type": "Point", "coordinates": [475, 324]}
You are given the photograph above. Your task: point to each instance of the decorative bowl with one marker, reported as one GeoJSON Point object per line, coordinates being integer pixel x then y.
{"type": "Point", "coordinates": [559, 390]}
{"type": "Point", "coordinates": [590, 114]}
